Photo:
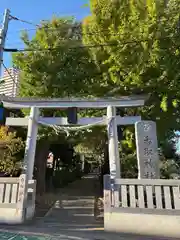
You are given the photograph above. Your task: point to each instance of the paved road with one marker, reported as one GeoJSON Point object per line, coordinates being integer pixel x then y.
{"type": "Point", "coordinates": [71, 218]}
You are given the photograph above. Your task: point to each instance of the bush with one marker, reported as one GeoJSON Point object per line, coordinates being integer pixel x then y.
{"type": "Point", "coordinates": [11, 151]}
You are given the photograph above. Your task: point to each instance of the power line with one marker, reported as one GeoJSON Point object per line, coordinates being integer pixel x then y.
{"type": "Point", "coordinates": [88, 46]}
{"type": "Point", "coordinates": [98, 33]}
{"type": "Point", "coordinates": [62, 28]}
{"type": "Point", "coordinates": [65, 28]}
{"type": "Point", "coordinates": [11, 49]}
{"type": "Point", "coordinates": [93, 33]}
{"type": "Point", "coordinates": [51, 28]}
{"type": "Point", "coordinates": [51, 49]}
{"type": "Point", "coordinates": [24, 21]}
{"type": "Point", "coordinates": [77, 40]}
{"type": "Point", "coordinates": [37, 25]}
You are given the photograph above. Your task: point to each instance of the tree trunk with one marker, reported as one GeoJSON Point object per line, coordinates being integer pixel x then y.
{"type": "Point", "coordinates": [42, 151]}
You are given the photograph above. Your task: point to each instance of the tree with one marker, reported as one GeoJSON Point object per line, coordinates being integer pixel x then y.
{"type": "Point", "coordinates": [91, 143]}
{"type": "Point", "coordinates": [53, 66]}
{"type": "Point", "coordinates": [136, 46]}
{"type": "Point", "coordinates": [11, 154]}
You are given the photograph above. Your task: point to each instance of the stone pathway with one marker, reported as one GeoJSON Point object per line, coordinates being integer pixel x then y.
{"type": "Point", "coordinates": [74, 209]}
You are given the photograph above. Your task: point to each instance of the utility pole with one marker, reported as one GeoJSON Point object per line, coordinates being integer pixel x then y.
{"type": "Point", "coordinates": [3, 33]}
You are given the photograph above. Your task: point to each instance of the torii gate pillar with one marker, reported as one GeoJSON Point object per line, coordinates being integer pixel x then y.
{"type": "Point", "coordinates": [114, 160]}
{"type": "Point", "coordinates": [30, 148]}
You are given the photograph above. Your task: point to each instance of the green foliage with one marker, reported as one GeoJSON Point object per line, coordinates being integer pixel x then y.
{"type": "Point", "coordinates": [169, 169]}
{"type": "Point", "coordinates": [169, 162]}
{"type": "Point", "coordinates": [135, 50]}
{"type": "Point", "coordinates": [91, 142]}
{"type": "Point", "coordinates": [129, 165]}
{"type": "Point", "coordinates": [55, 68]}
{"type": "Point", "coordinates": [139, 53]}
{"type": "Point", "coordinates": [59, 70]}
{"type": "Point", "coordinates": [11, 151]}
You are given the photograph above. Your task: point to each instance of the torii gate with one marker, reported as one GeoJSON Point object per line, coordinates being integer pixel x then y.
{"type": "Point", "coordinates": [34, 118]}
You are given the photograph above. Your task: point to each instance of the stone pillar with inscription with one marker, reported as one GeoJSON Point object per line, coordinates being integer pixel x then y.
{"type": "Point", "coordinates": [147, 150]}
{"type": "Point", "coordinates": [21, 200]}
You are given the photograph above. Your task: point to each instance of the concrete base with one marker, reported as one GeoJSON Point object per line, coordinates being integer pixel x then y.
{"type": "Point", "coordinates": [30, 212]}
{"type": "Point", "coordinates": [11, 216]}
{"type": "Point", "coordinates": [14, 216]}
{"type": "Point", "coordinates": [142, 223]}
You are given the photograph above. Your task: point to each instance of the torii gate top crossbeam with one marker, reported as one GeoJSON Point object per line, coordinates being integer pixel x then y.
{"type": "Point", "coordinates": [18, 103]}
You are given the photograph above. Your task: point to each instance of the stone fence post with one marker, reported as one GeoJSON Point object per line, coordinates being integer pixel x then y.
{"type": "Point", "coordinates": [107, 193]}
